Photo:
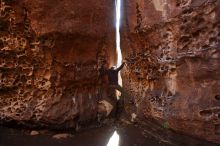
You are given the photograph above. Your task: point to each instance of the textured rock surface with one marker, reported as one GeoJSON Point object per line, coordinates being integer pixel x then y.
{"type": "Point", "coordinates": [173, 53]}
{"type": "Point", "coordinates": [50, 53]}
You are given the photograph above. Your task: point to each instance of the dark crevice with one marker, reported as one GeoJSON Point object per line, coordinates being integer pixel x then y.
{"type": "Point", "coordinates": [206, 113]}
{"type": "Point", "coordinates": [217, 97]}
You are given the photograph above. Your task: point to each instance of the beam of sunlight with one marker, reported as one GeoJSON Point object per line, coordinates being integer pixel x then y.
{"type": "Point", "coordinates": [118, 48]}
{"type": "Point", "coordinates": [114, 140]}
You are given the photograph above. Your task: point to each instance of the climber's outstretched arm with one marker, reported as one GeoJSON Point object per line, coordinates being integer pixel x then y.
{"type": "Point", "coordinates": [118, 69]}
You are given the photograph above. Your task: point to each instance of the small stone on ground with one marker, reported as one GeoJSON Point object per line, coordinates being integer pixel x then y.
{"type": "Point", "coordinates": [33, 132]}
{"type": "Point", "coordinates": [62, 136]}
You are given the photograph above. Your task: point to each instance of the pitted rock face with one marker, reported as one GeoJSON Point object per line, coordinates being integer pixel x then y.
{"type": "Point", "coordinates": [50, 59]}
{"type": "Point", "coordinates": [173, 64]}
{"type": "Point", "coordinates": [51, 52]}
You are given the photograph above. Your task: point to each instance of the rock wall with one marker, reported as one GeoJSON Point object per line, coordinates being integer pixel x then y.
{"type": "Point", "coordinates": [172, 49]}
{"type": "Point", "coordinates": [51, 52]}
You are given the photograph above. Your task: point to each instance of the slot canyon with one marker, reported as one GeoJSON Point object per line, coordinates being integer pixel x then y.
{"type": "Point", "coordinates": [52, 91]}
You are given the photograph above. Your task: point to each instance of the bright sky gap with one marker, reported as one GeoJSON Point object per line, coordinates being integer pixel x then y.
{"type": "Point", "coordinates": [114, 140]}
{"type": "Point", "coordinates": [118, 47]}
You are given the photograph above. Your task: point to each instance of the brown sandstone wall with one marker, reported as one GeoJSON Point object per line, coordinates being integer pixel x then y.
{"type": "Point", "coordinates": [173, 63]}
{"type": "Point", "coordinates": [50, 53]}
{"type": "Point", "coordinates": [51, 50]}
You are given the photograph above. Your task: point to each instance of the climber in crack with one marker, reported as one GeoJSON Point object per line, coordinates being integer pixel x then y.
{"type": "Point", "coordinates": [112, 74]}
